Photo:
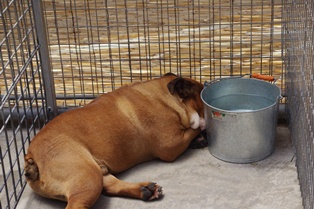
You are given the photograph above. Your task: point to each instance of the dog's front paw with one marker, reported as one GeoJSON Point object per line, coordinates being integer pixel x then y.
{"type": "Point", "coordinates": [200, 141]}
{"type": "Point", "coordinates": [151, 191]}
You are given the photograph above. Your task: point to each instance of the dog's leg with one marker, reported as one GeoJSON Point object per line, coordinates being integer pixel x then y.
{"type": "Point", "coordinates": [84, 193]}
{"type": "Point", "coordinates": [79, 181]}
{"type": "Point", "coordinates": [142, 190]}
{"type": "Point", "coordinates": [83, 199]}
{"type": "Point", "coordinates": [84, 186]}
{"type": "Point", "coordinates": [180, 143]}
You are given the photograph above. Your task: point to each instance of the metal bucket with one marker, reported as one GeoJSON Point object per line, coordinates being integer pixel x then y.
{"type": "Point", "coordinates": [241, 116]}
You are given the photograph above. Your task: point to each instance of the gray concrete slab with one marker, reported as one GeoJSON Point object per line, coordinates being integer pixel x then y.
{"type": "Point", "coordinates": [198, 180]}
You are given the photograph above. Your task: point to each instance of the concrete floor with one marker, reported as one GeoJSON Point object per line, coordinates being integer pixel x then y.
{"type": "Point", "coordinates": [198, 180]}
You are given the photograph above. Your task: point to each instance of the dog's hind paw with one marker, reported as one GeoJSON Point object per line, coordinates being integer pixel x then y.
{"type": "Point", "coordinates": [151, 191]}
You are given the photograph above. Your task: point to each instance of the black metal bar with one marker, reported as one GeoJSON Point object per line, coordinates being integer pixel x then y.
{"type": "Point", "coordinates": [58, 97]}
{"type": "Point", "coordinates": [5, 185]}
{"type": "Point", "coordinates": [282, 115]}
{"type": "Point", "coordinates": [45, 59]}
{"type": "Point", "coordinates": [128, 37]}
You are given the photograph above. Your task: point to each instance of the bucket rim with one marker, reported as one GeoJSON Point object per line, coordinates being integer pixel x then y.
{"type": "Point", "coordinates": [243, 111]}
{"type": "Point", "coordinates": [225, 79]}
{"type": "Point", "coordinates": [279, 97]}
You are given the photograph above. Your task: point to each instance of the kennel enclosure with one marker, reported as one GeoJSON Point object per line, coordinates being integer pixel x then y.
{"type": "Point", "coordinates": [60, 54]}
{"type": "Point", "coordinates": [299, 33]}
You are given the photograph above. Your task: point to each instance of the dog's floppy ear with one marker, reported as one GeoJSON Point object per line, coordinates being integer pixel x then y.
{"type": "Point", "coordinates": [172, 74]}
{"type": "Point", "coordinates": [181, 86]}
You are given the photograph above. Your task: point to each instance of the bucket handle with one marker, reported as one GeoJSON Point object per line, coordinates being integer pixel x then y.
{"type": "Point", "coordinates": [253, 75]}
{"type": "Point", "coordinates": [263, 77]}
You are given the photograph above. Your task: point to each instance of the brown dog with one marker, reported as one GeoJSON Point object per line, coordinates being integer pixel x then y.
{"type": "Point", "coordinates": [74, 156]}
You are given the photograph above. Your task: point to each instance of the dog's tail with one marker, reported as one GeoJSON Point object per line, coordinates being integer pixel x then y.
{"type": "Point", "coordinates": [31, 169]}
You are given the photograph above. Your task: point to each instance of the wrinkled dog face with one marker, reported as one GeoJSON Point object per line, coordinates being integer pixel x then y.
{"type": "Point", "coordinates": [189, 91]}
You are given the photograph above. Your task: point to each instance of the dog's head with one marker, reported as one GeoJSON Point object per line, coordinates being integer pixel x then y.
{"type": "Point", "coordinates": [189, 91]}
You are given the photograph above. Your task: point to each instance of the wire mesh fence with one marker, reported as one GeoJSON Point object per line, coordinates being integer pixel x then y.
{"type": "Point", "coordinates": [97, 46]}
{"type": "Point", "coordinates": [21, 93]}
{"type": "Point", "coordinates": [300, 64]}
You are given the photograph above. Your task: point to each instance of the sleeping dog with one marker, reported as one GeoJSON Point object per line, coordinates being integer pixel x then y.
{"type": "Point", "coordinates": [75, 156]}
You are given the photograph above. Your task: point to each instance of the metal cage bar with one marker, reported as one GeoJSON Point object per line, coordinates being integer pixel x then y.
{"type": "Point", "coordinates": [50, 94]}
{"type": "Point", "coordinates": [22, 106]}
